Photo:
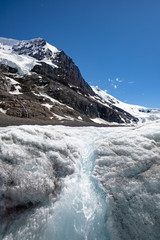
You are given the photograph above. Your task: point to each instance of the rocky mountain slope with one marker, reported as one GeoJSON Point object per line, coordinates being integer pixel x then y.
{"type": "Point", "coordinates": [143, 114]}
{"type": "Point", "coordinates": [41, 83]}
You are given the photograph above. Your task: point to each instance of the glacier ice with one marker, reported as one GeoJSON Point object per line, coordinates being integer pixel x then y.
{"type": "Point", "coordinates": [127, 165]}
{"type": "Point", "coordinates": [24, 64]}
{"type": "Point", "coordinates": [80, 183]}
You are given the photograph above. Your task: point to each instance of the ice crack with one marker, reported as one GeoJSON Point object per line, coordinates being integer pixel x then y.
{"type": "Point", "coordinates": [81, 211]}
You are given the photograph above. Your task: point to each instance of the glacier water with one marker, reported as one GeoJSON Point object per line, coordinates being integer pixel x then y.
{"type": "Point", "coordinates": [80, 213]}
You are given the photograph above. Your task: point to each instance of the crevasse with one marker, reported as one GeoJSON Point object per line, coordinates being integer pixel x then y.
{"type": "Point", "coordinates": [80, 213]}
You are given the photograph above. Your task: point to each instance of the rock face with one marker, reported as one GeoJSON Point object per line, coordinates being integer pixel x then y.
{"type": "Point", "coordinates": [51, 89]}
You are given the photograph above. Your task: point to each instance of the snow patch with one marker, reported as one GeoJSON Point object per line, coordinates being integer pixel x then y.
{"type": "Point", "coordinates": [3, 111]}
{"type": "Point", "coordinates": [99, 120]}
{"type": "Point", "coordinates": [12, 81]}
{"type": "Point", "coordinates": [49, 62]}
{"type": "Point", "coordinates": [102, 121]}
{"type": "Point", "coordinates": [47, 105]}
{"type": "Point", "coordinates": [16, 91]}
{"type": "Point", "coordinates": [53, 49]}
{"type": "Point", "coordinates": [58, 116]}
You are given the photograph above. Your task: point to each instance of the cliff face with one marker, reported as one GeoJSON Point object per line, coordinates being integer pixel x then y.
{"type": "Point", "coordinates": [39, 81]}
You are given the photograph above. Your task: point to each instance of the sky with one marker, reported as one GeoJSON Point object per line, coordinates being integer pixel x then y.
{"type": "Point", "coordinates": [115, 43]}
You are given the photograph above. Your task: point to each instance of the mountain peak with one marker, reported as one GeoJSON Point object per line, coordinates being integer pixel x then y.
{"type": "Point", "coordinates": [37, 48]}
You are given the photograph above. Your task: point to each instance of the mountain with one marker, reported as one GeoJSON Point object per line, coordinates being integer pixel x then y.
{"type": "Point", "coordinates": [60, 182]}
{"type": "Point", "coordinates": [143, 114]}
{"type": "Point", "coordinates": [40, 83]}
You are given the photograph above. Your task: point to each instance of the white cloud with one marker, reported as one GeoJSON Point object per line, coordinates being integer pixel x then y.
{"type": "Point", "coordinates": [118, 80]}
{"type": "Point", "coordinates": [110, 80]}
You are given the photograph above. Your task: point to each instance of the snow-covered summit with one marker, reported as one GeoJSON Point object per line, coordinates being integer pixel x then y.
{"type": "Point", "coordinates": [28, 47]}
{"type": "Point", "coordinates": [24, 55]}
{"type": "Point", "coordinates": [37, 48]}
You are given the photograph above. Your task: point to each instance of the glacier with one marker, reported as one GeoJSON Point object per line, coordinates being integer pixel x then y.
{"type": "Point", "coordinates": [84, 183]}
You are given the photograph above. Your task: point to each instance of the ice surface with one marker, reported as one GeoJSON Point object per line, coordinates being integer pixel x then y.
{"type": "Point", "coordinates": [128, 165]}
{"type": "Point", "coordinates": [84, 183]}
{"type": "Point", "coordinates": [32, 161]}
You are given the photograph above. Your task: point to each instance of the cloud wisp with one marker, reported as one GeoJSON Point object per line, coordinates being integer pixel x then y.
{"type": "Point", "coordinates": [115, 83]}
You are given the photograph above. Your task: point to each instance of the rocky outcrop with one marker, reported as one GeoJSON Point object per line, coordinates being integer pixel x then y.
{"type": "Point", "coordinates": [33, 48]}
{"type": "Point", "coordinates": [66, 73]}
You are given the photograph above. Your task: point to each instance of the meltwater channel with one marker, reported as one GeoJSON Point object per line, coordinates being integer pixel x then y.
{"type": "Point", "coordinates": [80, 213]}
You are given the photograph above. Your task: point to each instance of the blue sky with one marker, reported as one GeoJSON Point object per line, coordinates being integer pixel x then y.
{"type": "Point", "coordinates": [115, 43]}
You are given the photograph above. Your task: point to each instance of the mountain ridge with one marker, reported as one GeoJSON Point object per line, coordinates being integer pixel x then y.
{"type": "Point", "coordinates": [40, 82]}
